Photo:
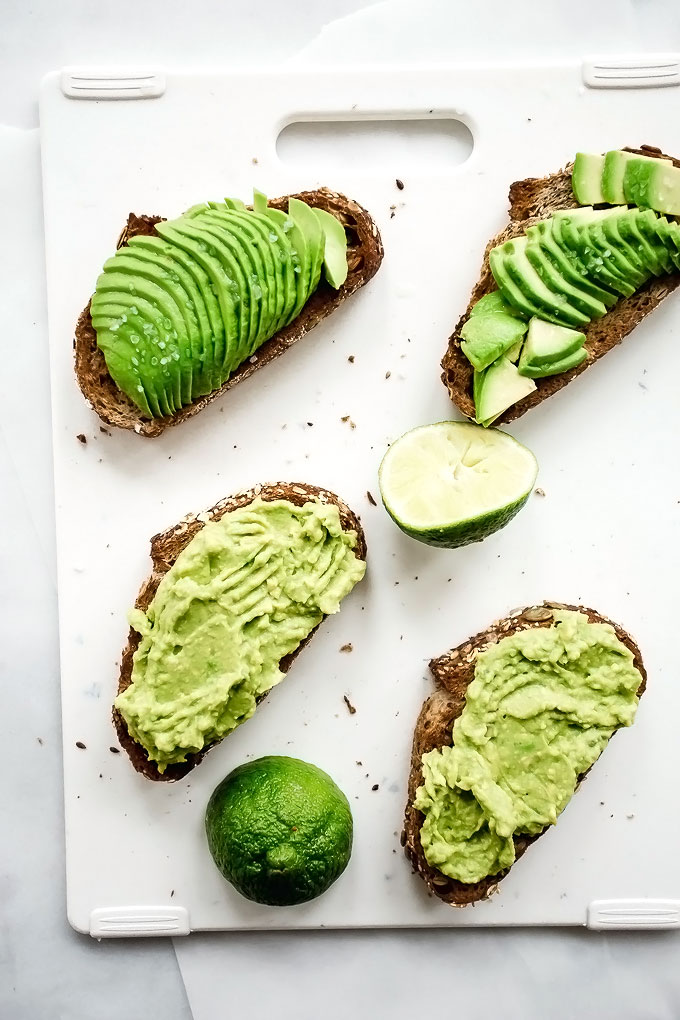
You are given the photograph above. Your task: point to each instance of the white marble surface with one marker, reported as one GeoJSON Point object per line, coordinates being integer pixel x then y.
{"type": "Point", "coordinates": [46, 971]}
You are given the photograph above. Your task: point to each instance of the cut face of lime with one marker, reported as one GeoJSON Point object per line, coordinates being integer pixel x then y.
{"type": "Point", "coordinates": [453, 483]}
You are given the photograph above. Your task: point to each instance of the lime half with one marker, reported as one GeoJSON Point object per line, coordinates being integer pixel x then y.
{"type": "Point", "coordinates": [453, 483]}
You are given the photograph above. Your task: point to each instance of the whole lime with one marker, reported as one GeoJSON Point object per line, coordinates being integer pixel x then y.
{"type": "Point", "coordinates": [279, 830]}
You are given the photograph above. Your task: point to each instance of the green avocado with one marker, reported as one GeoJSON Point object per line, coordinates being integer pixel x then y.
{"type": "Point", "coordinates": [570, 267]}
{"type": "Point", "coordinates": [625, 245]}
{"type": "Point", "coordinates": [569, 232]}
{"type": "Point", "coordinates": [487, 337]}
{"type": "Point", "coordinates": [499, 388]}
{"type": "Point", "coordinates": [512, 294]}
{"type": "Point", "coordinates": [667, 232]}
{"type": "Point", "coordinates": [294, 258]}
{"type": "Point", "coordinates": [648, 247]}
{"type": "Point", "coordinates": [541, 709]}
{"type": "Point", "coordinates": [546, 343]}
{"type": "Point", "coordinates": [586, 178]}
{"type": "Point", "coordinates": [551, 275]}
{"type": "Point", "coordinates": [239, 598]}
{"type": "Point", "coordinates": [616, 167]}
{"type": "Point", "coordinates": [554, 306]}
{"type": "Point", "coordinates": [553, 367]}
{"type": "Point", "coordinates": [314, 236]}
{"type": "Point", "coordinates": [207, 305]}
{"type": "Point", "coordinates": [335, 248]}
{"type": "Point", "coordinates": [653, 184]}
{"type": "Point", "coordinates": [594, 235]}
{"type": "Point", "coordinates": [152, 280]}
{"type": "Point", "coordinates": [492, 302]}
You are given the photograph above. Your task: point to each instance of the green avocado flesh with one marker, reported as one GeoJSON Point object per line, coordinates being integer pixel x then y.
{"type": "Point", "coordinates": [563, 273]}
{"type": "Point", "coordinates": [244, 593]}
{"type": "Point", "coordinates": [541, 709]}
{"type": "Point", "coordinates": [176, 313]}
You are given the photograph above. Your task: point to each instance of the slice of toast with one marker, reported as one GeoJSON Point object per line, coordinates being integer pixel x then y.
{"type": "Point", "coordinates": [165, 548]}
{"type": "Point", "coordinates": [532, 200]}
{"type": "Point", "coordinates": [364, 255]}
{"type": "Point", "coordinates": [453, 673]}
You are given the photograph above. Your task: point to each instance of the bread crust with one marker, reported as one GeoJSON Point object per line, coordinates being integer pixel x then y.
{"type": "Point", "coordinates": [364, 255]}
{"type": "Point", "coordinates": [453, 672]}
{"type": "Point", "coordinates": [165, 548]}
{"type": "Point", "coordinates": [532, 200]}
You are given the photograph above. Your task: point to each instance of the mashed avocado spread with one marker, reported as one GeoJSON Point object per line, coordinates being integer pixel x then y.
{"type": "Point", "coordinates": [246, 591]}
{"type": "Point", "coordinates": [543, 705]}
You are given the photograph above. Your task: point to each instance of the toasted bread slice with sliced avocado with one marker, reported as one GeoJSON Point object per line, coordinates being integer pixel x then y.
{"type": "Point", "coordinates": [364, 255]}
{"type": "Point", "coordinates": [531, 201]}
{"type": "Point", "coordinates": [453, 673]}
{"type": "Point", "coordinates": [165, 548]}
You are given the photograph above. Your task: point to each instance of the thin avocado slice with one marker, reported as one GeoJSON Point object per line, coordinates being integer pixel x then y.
{"type": "Point", "coordinates": [335, 248]}
{"type": "Point", "coordinates": [151, 329]}
{"type": "Point", "coordinates": [611, 228]}
{"type": "Point", "coordinates": [501, 387]}
{"type": "Point", "coordinates": [293, 248]}
{"type": "Point", "coordinates": [492, 302]}
{"type": "Point", "coordinates": [212, 324]}
{"type": "Point", "coordinates": [547, 343]}
{"type": "Point", "coordinates": [554, 367]}
{"type": "Point", "coordinates": [314, 236]}
{"type": "Point", "coordinates": [525, 276]}
{"type": "Point", "coordinates": [179, 307]}
{"type": "Point", "coordinates": [635, 238]}
{"type": "Point", "coordinates": [515, 351]}
{"type": "Point", "coordinates": [190, 238]}
{"type": "Point", "coordinates": [229, 250]}
{"type": "Point", "coordinates": [256, 262]}
{"type": "Point", "coordinates": [508, 288]}
{"type": "Point", "coordinates": [613, 171]}
{"type": "Point", "coordinates": [646, 222]}
{"type": "Point", "coordinates": [552, 277]}
{"type": "Point", "coordinates": [667, 233]}
{"type": "Point", "coordinates": [123, 338]}
{"type": "Point", "coordinates": [275, 253]}
{"type": "Point", "coordinates": [487, 337]}
{"type": "Point", "coordinates": [570, 267]}
{"type": "Point", "coordinates": [160, 254]}
{"type": "Point", "coordinates": [586, 178]}
{"type": "Point", "coordinates": [569, 236]}
{"type": "Point", "coordinates": [614, 255]}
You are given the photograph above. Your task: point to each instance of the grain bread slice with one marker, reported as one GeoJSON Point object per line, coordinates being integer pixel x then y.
{"type": "Point", "coordinates": [364, 255]}
{"type": "Point", "coordinates": [532, 200]}
{"type": "Point", "coordinates": [165, 548]}
{"type": "Point", "coordinates": [453, 672]}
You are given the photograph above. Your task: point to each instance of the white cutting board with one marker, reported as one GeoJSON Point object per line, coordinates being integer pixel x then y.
{"type": "Point", "coordinates": [605, 534]}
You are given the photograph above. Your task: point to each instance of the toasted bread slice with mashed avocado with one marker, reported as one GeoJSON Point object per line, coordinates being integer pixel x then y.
{"type": "Point", "coordinates": [453, 673]}
{"type": "Point", "coordinates": [531, 201]}
{"type": "Point", "coordinates": [166, 548]}
{"type": "Point", "coordinates": [364, 255]}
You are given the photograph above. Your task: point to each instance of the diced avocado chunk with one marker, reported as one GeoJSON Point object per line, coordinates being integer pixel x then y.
{"type": "Point", "coordinates": [586, 178]}
{"type": "Point", "coordinates": [515, 351]}
{"type": "Point", "coordinates": [501, 387]}
{"type": "Point", "coordinates": [335, 248]}
{"type": "Point", "coordinates": [554, 367]}
{"type": "Point", "coordinates": [653, 184]}
{"type": "Point", "coordinates": [487, 337]}
{"type": "Point", "coordinates": [492, 302]}
{"type": "Point", "coordinates": [546, 342]}
{"type": "Point", "coordinates": [613, 173]}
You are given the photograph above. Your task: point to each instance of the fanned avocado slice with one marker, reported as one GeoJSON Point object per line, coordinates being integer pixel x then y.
{"type": "Point", "coordinates": [314, 236]}
{"type": "Point", "coordinates": [274, 221]}
{"type": "Point", "coordinates": [568, 234]}
{"type": "Point", "coordinates": [185, 234]}
{"type": "Point", "coordinates": [152, 280]}
{"type": "Point", "coordinates": [151, 330]}
{"type": "Point", "coordinates": [568, 264]}
{"type": "Point", "coordinates": [642, 226]}
{"type": "Point", "coordinates": [509, 289]}
{"type": "Point", "coordinates": [570, 267]}
{"type": "Point", "coordinates": [122, 337]}
{"type": "Point", "coordinates": [667, 232]}
{"type": "Point", "coordinates": [335, 248]}
{"type": "Point", "coordinates": [294, 257]}
{"type": "Point", "coordinates": [554, 279]}
{"type": "Point", "coordinates": [595, 234]}
{"type": "Point", "coordinates": [159, 252]}
{"type": "Point", "coordinates": [528, 280]}
{"type": "Point", "coordinates": [233, 228]}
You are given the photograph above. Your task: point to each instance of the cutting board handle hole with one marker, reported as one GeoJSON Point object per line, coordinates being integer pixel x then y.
{"type": "Point", "coordinates": [397, 147]}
